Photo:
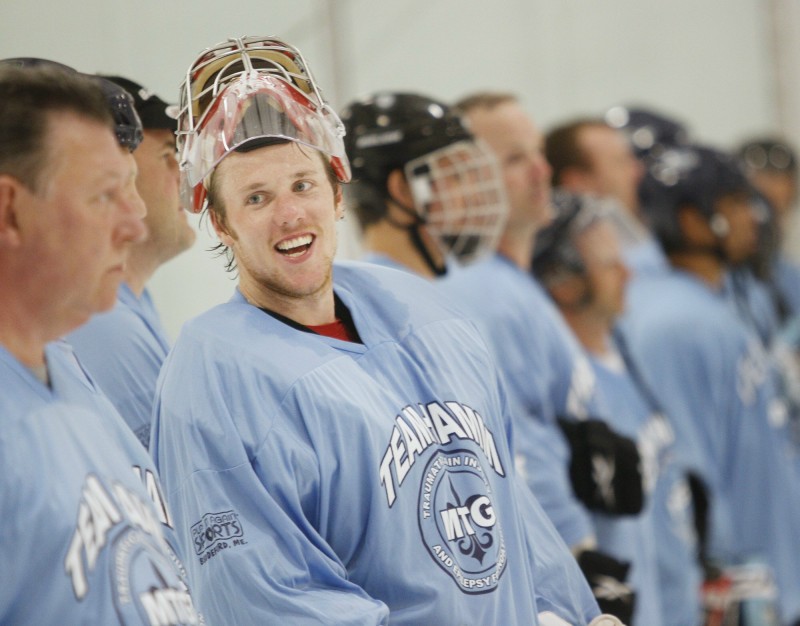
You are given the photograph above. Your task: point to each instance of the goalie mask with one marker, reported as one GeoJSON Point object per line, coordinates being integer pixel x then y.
{"type": "Point", "coordinates": [456, 185]}
{"type": "Point", "coordinates": [245, 93]}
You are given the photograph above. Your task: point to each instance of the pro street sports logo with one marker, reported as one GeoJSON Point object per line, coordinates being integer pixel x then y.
{"type": "Point", "coordinates": [458, 522]}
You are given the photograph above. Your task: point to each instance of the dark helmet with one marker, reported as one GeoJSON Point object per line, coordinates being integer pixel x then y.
{"type": "Point", "coordinates": [385, 132]}
{"type": "Point", "coordinates": [648, 131]}
{"type": "Point", "coordinates": [688, 175]}
{"type": "Point", "coordinates": [127, 125]}
{"type": "Point", "coordinates": [25, 62]}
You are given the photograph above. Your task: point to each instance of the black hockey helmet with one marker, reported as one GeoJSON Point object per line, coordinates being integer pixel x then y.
{"type": "Point", "coordinates": [649, 131]}
{"type": "Point", "coordinates": [689, 175]}
{"type": "Point", "coordinates": [386, 131]}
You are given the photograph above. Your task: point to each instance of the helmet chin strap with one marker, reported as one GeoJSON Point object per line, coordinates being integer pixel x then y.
{"type": "Point", "coordinates": [415, 235]}
{"type": "Point", "coordinates": [419, 244]}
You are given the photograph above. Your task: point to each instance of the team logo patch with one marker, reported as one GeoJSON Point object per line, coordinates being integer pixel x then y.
{"type": "Point", "coordinates": [216, 532]}
{"type": "Point", "coordinates": [148, 591]}
{"type": "Point", "coordinates": [458, 521]}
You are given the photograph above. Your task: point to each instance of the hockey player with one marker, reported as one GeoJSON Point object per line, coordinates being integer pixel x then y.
{"type": "Point", "coordinates": [546, 373]}
{"type": "Point", "coordinates": [334, 439]}
{"type": "Point", "coordinates": [709, 370]}
{"type": "Point", "coordinates": [398, 141]}
{"type": "Point", "coordinates": [590, 156]}
{"type": "Point", "coordinates": [392, 140]}
{"type": "Point", "coordinates": [578, 259]}
{"type": "Point", "coordinates": [771, 166]}
{"type": "Point", "coordinates": [83, 539]}
{"type": "Point", "coordinates": [124, 348]}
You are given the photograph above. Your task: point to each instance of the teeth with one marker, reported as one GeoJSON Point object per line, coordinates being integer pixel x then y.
{"type": "Point", "coordinates": [298, 242]}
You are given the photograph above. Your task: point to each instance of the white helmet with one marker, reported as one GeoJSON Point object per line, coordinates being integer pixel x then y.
{"type": "Point", "coordinates": [250, 90]}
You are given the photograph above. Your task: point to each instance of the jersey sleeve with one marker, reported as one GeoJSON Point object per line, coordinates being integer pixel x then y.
{"type": "Point", "coordinates": [250, 551]}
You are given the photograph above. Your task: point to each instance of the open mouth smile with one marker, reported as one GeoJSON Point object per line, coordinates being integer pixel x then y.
{"type": "Point", "coordinates": [295, 247]}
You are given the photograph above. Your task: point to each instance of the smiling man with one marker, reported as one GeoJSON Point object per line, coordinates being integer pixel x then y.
{"type": "Point", "coordinates": [334, 439]}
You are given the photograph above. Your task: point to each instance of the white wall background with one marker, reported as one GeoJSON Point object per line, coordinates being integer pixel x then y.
{"type": "Point", "coordinates": [728, 68]}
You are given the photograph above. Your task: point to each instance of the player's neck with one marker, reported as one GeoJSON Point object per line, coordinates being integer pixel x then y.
{"type": "Point", "coordinates": [705, 266]}
{"type": "Point", "coordinates": [139, 268]}
{"type": "Point", "coordinates": [313, 309]}
{"type": "Point", "coordinates": [592, 331]}
{"type": "Point", "coordinates": [394, 243]}
{"type": "Point", "coordinates": [517, 246]}
{"type": "Point", "coordinates": [24, 340]}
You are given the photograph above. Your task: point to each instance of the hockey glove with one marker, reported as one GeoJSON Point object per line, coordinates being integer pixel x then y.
{"type": "Point", "coordinates": [605, 468]}
{"type": "Point", "coordinates": [606, 576]}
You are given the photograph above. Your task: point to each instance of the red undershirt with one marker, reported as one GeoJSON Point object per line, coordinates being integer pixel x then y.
{"type": "Point", "coordinates": [336, 330]}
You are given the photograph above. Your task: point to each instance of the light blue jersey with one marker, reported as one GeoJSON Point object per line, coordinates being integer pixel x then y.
{"type": "Point", "coordinates": [82, 539]}
{"type": "Point", "coordinates": [787, 279]}
{"type": "Point", "coordinates": [372, 482]}
{"type": "Point", "coordinates": [709, 373]}
{"type": "Point", "coordinates": [661, 543]}
{"type": "Point", "coordinates": [123, 350]}
{"type": "Point", "coordinates": [753, 303]}
{"type": "Point", "coordinates": [546, 374]}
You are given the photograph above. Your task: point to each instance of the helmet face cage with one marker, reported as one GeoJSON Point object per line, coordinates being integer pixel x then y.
{"type": "Point", "coordinates": [556, 254]}
{"type": "Point", "coordinates": [459, 195]}
{"type": "Point", "coordinates": [246, 89]}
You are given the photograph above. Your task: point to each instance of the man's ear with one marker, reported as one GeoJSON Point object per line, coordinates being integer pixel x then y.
{"type": "Point", "coordinates": [338, 199]}
{"type": "Point", "coordinates": [10, 190]}
{"type": "Point", "coordinates": [694, 225]}
{"type": "Point", "coordinates": [220, 227]}
{"type": "Point", "coordinates": [398, 189]}
{"type": "Point", "coordinates": [568, 292]}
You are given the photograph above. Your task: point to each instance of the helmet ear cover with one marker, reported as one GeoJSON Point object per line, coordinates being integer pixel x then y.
{"type": "Point", "coordinates": [127, 124]}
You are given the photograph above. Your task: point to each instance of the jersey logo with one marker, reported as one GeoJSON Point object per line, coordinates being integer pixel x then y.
{"type": "Point", "coordinates": [118, 534]}
{"type": "Point", "coordinates": [418, 429]}
{"type": "Point", "coordinates": [458, 522]}
{"type": "Point", "coordinates": [216, 532]}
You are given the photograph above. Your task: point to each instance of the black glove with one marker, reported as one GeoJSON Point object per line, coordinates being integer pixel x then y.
{"type": "Point", "coordinates": [700, 507]}
{"type": "Point", "coordinates": [605, 468]}
{"type": "Point", "coordinates": [606, 576]}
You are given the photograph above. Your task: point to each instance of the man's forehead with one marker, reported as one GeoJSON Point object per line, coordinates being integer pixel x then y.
{"type": "Point", "coordinates": [69, 135]}
{"type": "Point", "coordinates": [270, 163]}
